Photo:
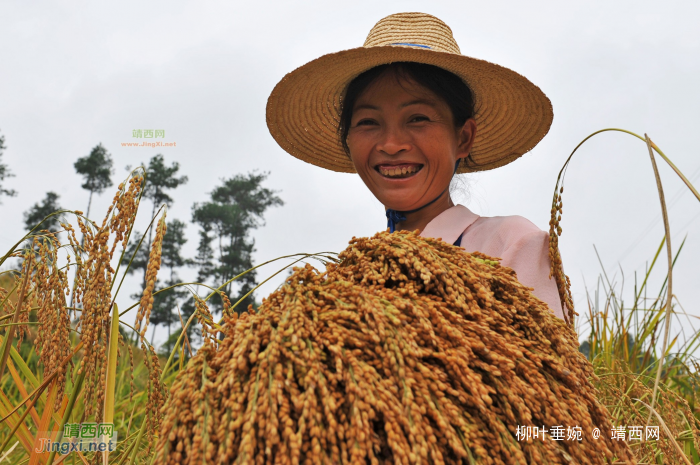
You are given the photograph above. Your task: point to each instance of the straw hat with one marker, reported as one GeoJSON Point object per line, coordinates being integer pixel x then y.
{"type": "Point", "coordinates": [303, 111]}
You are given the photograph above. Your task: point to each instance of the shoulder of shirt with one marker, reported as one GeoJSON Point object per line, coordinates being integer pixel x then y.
{"type": "Point", "coordinates": [514, 223]}
{"type": "Point", "coordinates": [508, 231]}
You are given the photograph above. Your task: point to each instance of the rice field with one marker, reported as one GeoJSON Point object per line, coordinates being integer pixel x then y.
{"type": "Point", "coordinates": [71, 362]}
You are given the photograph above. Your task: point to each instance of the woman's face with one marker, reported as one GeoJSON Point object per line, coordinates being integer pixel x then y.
{"type": "Point", "coordinates": [403, 142]}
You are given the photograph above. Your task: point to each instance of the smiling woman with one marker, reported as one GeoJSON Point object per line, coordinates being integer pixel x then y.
{"type": "Point", "coordinates": [406, 127]}
{"type": "Point", "coordinates": [407, 111]}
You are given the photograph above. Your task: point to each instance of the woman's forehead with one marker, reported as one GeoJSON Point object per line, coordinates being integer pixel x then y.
{"type": "Point", "coordinates": [395, 89]}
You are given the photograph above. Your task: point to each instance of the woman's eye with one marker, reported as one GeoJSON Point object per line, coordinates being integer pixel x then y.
{"type": "Point", "coordinates": [418, 119]}
{"type": "Point", "coordinates": [366, 122]}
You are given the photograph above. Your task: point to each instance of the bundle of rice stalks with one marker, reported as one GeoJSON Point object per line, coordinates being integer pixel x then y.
{"type": "Point", "coordinates": [409, 350]}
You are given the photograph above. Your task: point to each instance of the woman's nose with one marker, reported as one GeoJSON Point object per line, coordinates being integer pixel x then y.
{"type": "Point", "coordinates": [393, 141]}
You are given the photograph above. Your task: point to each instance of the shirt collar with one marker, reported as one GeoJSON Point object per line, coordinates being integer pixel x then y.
{"type": "Point", "coordinates": [450, 224]}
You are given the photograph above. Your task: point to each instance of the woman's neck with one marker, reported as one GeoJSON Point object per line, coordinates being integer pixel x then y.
{"type": "Point", "coordinates": [420, 219]}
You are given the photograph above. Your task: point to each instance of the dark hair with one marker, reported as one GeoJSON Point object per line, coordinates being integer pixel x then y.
{"type": "Point", "coordinates": [447, 86]}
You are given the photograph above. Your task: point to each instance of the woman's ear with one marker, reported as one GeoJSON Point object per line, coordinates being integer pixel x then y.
{"type": "Point", "coordinates": [465, 138]}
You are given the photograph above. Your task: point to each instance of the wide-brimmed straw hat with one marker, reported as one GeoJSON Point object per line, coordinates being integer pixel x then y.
{"type": "Point", "coordinates": [303, 112]}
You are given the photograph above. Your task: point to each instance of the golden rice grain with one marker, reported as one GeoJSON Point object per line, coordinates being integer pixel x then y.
{"type": "Point", "coordinates": [154, 259]}
{"type": "Point", "coordinates": [408, 351]}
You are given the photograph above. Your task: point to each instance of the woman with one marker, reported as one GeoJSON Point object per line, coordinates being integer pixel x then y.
{"type": "Point", "coordinates": [406, 112]}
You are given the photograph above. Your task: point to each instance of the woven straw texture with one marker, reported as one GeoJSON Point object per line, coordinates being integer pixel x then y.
{"type": "Point", "coordinates": [303, 111]}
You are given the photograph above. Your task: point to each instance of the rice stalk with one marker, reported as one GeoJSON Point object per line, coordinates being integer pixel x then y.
{"type": "Point", "coordinates": [7, 340]}
{"type": "Point", "coordinates": [563, 282]}
{"type": "Point", "coordinates": [669, 293]}
{"type": "Point", "coordinates": [112, 356]}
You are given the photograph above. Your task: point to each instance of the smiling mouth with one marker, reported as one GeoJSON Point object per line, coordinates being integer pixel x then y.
{"type": "Point", "coordinates": [398, 171]}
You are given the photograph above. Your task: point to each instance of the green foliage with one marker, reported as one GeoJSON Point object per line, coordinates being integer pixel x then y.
{"type": "Point", "coordinates": [173, 241]}
{"type": "Point", "coordinates": [96, 169]}
{"type": "Point", "coordinates": [4, 171]}
{"type": "Point", "coordinates": [138, 256]}
{"type": "Point", "coordinates": [161, 178]}
{"type": "Point", "coordinates": [165, 303]}
{"type": "Point", "coordinates": [631, 333]}
{"type": "Point", "coordinates": [169, 345]}
{"type": "Point", "coordinates": [226, 221]}
{"type": "Point", "coordinates": [624, 343]}
{"type": "Point", "coordinates": [38, 212]}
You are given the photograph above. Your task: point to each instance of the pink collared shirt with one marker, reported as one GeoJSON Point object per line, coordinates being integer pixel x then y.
{"type": "Point", "coordinates": [519, 244]}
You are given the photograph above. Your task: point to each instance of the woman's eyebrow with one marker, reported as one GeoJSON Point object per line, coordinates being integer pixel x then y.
{"type": "Point", "coordinates": [365, 106]}
{"type": "Point", "coordinates": [418, 102]}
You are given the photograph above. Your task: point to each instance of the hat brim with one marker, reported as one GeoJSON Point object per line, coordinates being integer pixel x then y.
{"type": "Point", "coordinates": [512, 114]}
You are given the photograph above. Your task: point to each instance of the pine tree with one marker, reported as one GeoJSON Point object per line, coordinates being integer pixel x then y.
{"type": "Point", "coordinates": [39, 211]}
{"type": "Point", "coordinates": [226, 221]}
{"type": "Point", "coordinates": [159, 179]}
{"type": "Point", "coordinates": [96, 170]}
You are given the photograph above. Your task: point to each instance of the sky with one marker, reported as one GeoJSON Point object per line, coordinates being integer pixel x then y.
{"type": "Point", "coordinates": [75, 74]}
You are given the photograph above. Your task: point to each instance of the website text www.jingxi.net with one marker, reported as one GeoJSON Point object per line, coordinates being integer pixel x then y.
{"type": "Point", "coordinates": [149, 144]}
{"type": "Point", "coordinates": [148, 134]}
{"type": "Point", "coordinates": [79, 437]}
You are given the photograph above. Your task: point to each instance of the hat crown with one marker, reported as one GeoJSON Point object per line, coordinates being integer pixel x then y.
{"type": "Point", "coordinates": [415, 30]}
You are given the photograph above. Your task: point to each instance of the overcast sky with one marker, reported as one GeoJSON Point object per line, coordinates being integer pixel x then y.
{"type": "Point", "coordinates": [74, 74]}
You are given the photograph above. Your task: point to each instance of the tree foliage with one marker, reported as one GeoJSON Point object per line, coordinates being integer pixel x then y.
{"type": "Point", "coordinates": [96, 169]}
{"type": "Point", "coordinates": [164, 304]}
{"type": "Point", "coordinates": [137, 256]}
{"type": "Point", "coordinates": [161, 178]}
{"type": "Point", "coordinates": [226, 221]}
{"type": "Point", "coordinates": [4, 171]}
{"type": "Point", "coordinates": [41, 210]}
{"type": "Point", "coordinates": [171, 255]}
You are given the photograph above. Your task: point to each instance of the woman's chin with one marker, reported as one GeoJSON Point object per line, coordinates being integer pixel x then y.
{"type": "Point", "coordinates": [400, 194]}
{"type": "Point", "coordinates": [397, 190]}
{"type": "Point", "coordinates": [401, 203]}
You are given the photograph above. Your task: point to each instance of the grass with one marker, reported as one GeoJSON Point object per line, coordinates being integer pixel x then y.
{"type": "Point", "coordinates": [87, 363]}
{"type": "Point", "coordinates": [622, 341]}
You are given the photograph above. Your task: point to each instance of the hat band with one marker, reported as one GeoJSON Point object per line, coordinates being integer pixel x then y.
{"type": "Point", "coordinates": [412, 45]}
